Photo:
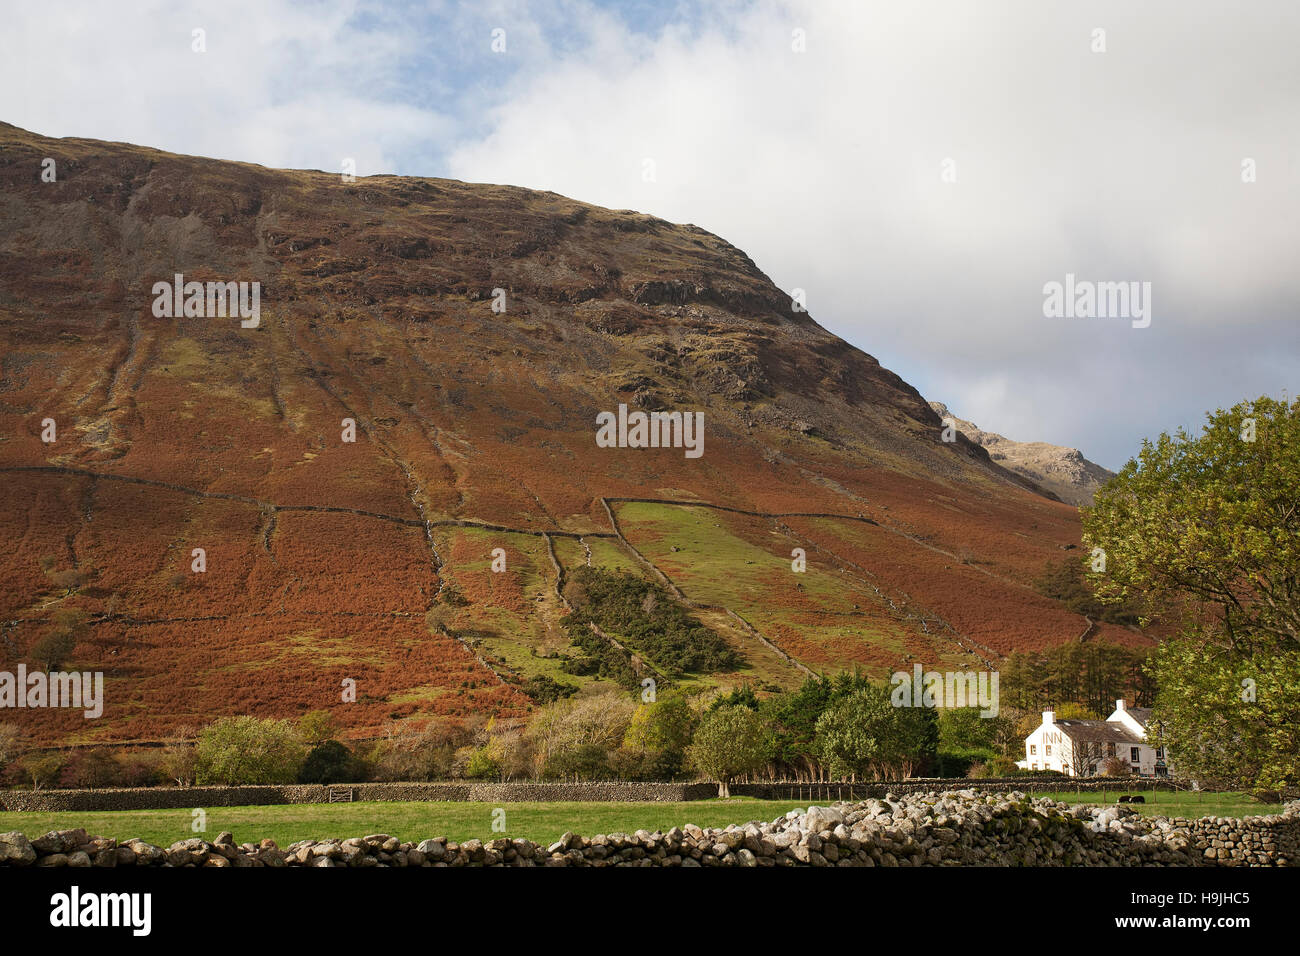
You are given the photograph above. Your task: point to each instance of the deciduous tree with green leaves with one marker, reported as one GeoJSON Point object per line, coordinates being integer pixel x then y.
{"type": "Point", "coordinates": [729, 742]}
{"type": "Point", "coordinates": [1212, 521]}
{"type": "Point", "coordinates": [1208, 527]}
{"type": "Point", "coordinates": [864, 733]}
{"type": "Point", "coordinates": [239, 750]}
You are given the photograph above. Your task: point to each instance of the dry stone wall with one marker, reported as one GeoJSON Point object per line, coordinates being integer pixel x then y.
{"type": "Point", "coordinates": [174, 798]}
{"type": "Point", "coordinates": [932, 829]}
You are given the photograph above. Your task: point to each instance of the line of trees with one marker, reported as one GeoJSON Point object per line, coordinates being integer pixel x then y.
{"type": "Point", "coordinates": [841, 728]}
{"type": "Point", "coordinates": [1091, 675]}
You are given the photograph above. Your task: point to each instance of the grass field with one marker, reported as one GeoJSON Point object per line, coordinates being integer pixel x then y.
{"type": "Point", "coordinates": [540, 822]}
{"type": "Point", "coordinates": [1177, 804]}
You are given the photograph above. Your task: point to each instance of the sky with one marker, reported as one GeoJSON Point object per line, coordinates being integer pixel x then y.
{"type": "Point", "coordinates": [921, 170]}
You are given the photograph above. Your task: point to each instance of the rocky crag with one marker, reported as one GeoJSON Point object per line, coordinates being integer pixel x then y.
{"type": "Point", "coordinates": [1060, 470]}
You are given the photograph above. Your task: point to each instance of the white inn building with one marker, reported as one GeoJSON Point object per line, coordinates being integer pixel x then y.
{"type": "Point", "coordinates": [1078, 748]}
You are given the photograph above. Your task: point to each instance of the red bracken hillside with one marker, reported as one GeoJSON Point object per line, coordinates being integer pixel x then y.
{"type": "Point", "coordinates": [475, 429]}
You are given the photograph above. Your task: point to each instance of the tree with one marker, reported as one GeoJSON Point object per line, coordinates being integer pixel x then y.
{"type": "Point", "coordinates": [411, 751]}
{"type": "Point", "coordinates": [1211, 521]}
{"type": "Point", "coordinates": [177, 760]}
{"type": "Point", "coordinates": [794, 725]}
{"type": "Point", "coordinates": [658, 736]}
{"type": "Point", "coordinates": [1084, 757]}
{"type": "Point", "coordinates": [965, 737]}
{"type": "Point", "coordinates": [328, 762]}
{"type": "Point", "coordinates": [67, 628]}
{"type": "Point", "coordinates": [243, 750]}
{"type": "Point", "coordinates": [91, 769]}
{"type": "Point", "coordinates": [317, 726]}
{"type": "Point", "coordinates": [1209, 525]}
{"type": "Point", "coordinates": [730, 741]}
{"type": "Point", "coordinates": [42, 769]}
{"type": "Point", "coordinates": [1092, 674]}
{"type": "Point", "coordinates": [666, 724]}
{"type": "Point", "coordinates": [10, 744]}
{"type": "Point", "coordinates": [1229, 720]}
{"type": "Point", "coordinates": [864, 733]}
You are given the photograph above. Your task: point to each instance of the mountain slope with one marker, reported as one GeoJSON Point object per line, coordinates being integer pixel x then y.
{"type": "Point", "coordinates": [474, 430]}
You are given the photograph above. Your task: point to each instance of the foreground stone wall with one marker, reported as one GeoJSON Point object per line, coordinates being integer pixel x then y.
{"type": "Point", "coordinates": [934, 829]}
{"type": "Point", "coordinates": [175, 798]}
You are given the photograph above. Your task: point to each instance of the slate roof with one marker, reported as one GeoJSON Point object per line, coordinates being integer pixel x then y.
{"type": "Point", "coordinates": [1098, 731]}
{"type": "Point", "coordinates": [1141, 714]}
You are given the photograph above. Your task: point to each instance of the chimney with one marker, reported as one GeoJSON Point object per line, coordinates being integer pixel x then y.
{"type": "Point", "coordinates": [1119, 705]}
{"type": "Point", "coordinates": [1049, 717]}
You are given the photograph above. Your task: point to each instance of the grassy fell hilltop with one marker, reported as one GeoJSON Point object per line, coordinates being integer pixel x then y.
{"type": "Point", "coordinates": [475, 431]}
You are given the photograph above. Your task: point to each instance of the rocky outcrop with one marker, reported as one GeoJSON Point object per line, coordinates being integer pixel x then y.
{"type": "Point", "coordinates": [1062, 471]}
{"type": "Point", "coordinates": [960, 828]}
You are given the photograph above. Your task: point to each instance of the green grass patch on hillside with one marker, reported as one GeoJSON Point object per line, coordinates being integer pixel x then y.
{"type": "Point", "coordinates": [825, 617]}
{"type": "Point", "coordinates": [540, 822]}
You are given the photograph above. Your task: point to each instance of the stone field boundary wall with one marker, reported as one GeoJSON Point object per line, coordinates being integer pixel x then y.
{"type": "Point", "coordinates": [175, 798]}
{"type": "Point", "coordinates": [953, 828]}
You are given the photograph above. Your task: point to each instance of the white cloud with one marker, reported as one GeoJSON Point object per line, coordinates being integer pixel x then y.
{"type": "Point", "coordinates": [279, 83]}
{"type": "Point", "coordinates": [825, 167]}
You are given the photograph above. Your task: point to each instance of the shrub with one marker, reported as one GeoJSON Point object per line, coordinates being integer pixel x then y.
{"type": "Point", "coordinates": [482, 765]}
{"type": "Point", "coordinates": [177, 760]}
{"type": "Point", "coordinates": [1114, 767]}
{"type": "Point", "coordinates": [412, 751]}
{"type": "Point", "coordinates": [545, 690]}
{"type": "Point", "coordinates": [67, 628]}
{"type": "Point", "coordinates": [645, 617]}
{"type": "Point", "coordinates": [244, 750]}
{"type": "Point", "coordinates": [1003, 767]}
{"type": "Point", "coordinates": [91, 770]}
{"type": "Point", "coordinates": [576, 738]}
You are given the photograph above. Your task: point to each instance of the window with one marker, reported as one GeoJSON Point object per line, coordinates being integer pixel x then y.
{"type": "Point", "coordinates": [1160, 753]}
{"type": "Point", "coordinates": [1033, 751]}
{"type": "Point", "coordinates": [1110, 750]}
{"type": "Point", "coordinates": [1133, 755]}
{"type": "Point", "coordinates": [1049, 750]}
